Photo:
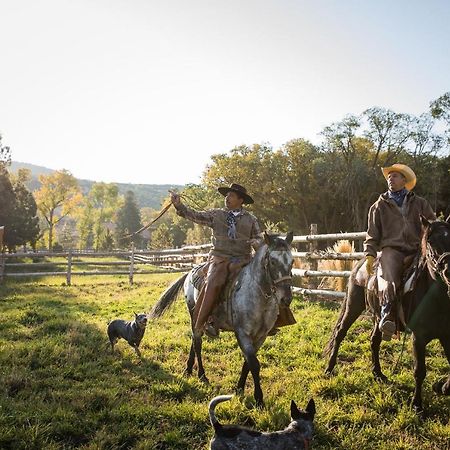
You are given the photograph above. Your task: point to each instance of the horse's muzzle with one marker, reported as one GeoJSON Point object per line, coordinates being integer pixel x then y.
{"type": "Point", "coordinates": [286, 298]}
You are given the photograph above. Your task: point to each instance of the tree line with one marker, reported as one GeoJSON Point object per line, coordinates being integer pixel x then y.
{"type": "Point", "coordinates": [331, 184]}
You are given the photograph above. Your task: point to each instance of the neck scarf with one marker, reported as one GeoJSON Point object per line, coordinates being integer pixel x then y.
{"type": "Point", "coordinates": [231, 222]}
{"type": "Point", "coordinates": [398, 196]}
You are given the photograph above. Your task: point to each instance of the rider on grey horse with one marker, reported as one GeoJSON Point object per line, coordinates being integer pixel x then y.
{"type": "Point", "coordinates": [234, 232]}
{"type": "Point", "coordinates": [394, 229]}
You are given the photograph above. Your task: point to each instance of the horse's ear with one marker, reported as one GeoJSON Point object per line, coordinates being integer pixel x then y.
{"type": "Point", "coordinates": [425, 222]}
{"type": "Point", "coordinates": [289, 237]}
{"type": "Point", "coordinates": [267, 238]}
{"type": "Point", "coordinates": [135, 315]}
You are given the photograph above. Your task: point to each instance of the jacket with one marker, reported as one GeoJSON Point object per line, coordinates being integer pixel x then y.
{"type": "Point", "coordinates": [392, 226]}
{"type": "Point", "coordinates": [247, 228]}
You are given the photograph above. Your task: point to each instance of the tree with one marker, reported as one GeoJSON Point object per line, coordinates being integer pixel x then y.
{"type": "Point", "coordinates": [7, 205]}
{"type": "Point", "coordinates": [5, 154]}
{"type": "Point", "coordinates": [57, 198]}
{"type": "Point", "coordinates": [25, 222]}
{"type": "Point", "coordinates": [161, 238]}
{"type": "Point", "coordinates": [85, 225]}
{"type": "Point", "coordinates": [440, 109]}
{"type": "Point", "coordinates": [103, 200]}
{"type": "Point", "coordinates": [388, 131]}
{"type": "Point", "coordinates": [128, 221]}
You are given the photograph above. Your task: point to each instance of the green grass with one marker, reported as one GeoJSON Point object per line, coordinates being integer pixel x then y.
{"type": "Point", "coordinates": [61, 388]}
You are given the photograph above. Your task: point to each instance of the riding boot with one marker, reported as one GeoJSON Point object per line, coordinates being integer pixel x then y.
{"type": "Point", "coordinates": [387, 323]}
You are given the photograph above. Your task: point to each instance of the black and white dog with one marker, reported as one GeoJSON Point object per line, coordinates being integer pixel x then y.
{"type": "Point", "coordinates": [132, 331]}
{"type": "Point", "coordinates": [297, 435]}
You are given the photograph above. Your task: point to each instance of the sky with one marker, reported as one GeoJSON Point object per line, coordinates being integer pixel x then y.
{"type": "Point", "coordinates": [145, 91]}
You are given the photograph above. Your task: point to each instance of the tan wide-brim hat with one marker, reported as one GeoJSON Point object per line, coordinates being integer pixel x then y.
{"type": "Point", "coordinates": [238, 189]}
{"type": "Point", "coordinates": [406, 171]}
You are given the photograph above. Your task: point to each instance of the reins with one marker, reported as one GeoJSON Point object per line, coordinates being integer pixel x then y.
{"type": "Point", "coordinates": [273, 283]}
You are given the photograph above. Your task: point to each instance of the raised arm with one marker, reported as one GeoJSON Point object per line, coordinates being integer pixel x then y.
{"type": "Point", "coordinates": [200, 217]}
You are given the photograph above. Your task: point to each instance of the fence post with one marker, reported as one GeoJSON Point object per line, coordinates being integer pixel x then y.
{"type": "Point", "coordinates": [131, 264]}
{"type": "Point", "coordinates": [313, 263]}
{"type": "Point", "coordinates": [69, 268]}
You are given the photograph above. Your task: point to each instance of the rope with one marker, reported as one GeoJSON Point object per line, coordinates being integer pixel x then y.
{"type": "Point", "coordinates": [160, 214]}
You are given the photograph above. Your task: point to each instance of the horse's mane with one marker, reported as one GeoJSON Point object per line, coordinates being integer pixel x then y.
{"type": "Point", "coordinates": [428, 230]}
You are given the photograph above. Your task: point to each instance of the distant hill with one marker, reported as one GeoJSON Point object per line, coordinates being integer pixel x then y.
{"type": "Point", "coordinates": [147, 195]}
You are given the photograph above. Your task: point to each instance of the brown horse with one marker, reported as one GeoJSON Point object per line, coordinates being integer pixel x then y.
{"type": "Point", "coordinates": [427, 309]}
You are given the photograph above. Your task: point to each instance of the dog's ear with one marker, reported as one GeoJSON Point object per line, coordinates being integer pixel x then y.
{"type": "Point", "coordinates": [311, 408]}
{"type": "Point", "coordinates": [295, 413]}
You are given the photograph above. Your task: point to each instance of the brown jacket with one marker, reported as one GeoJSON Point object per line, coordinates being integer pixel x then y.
{"type": "Point", "coordinates": [247, 228]}
{"type": "Point", "coordinates": [392, 226]}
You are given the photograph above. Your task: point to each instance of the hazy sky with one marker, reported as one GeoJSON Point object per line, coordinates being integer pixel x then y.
{"type": "Point", "coordinates": [145, 91]}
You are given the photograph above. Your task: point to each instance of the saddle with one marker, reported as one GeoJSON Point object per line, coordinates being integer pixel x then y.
{"type": "Point", "coordinates": [412, 268]}
{"type": "Point", "coordinates": [199, 275]}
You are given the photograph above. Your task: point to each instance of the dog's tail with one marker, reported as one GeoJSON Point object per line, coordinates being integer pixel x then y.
{"type": "Point", "coordinates": [212, 405]}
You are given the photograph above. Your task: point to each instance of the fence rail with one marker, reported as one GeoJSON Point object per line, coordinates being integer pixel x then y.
{"type": "Point", "coordinates": [179, 260]}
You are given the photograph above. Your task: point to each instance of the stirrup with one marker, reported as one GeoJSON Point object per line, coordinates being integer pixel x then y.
{"type": "Point", "coordinates": [388, 328]}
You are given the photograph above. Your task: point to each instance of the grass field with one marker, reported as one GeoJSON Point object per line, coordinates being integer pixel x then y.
{"type": "Point", "coordinates": [61, 388]}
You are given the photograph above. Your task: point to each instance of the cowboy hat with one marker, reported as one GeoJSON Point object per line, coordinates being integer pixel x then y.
{"type": "Point", "coordinates": [238, 189]}
{"type": "Point", "coordinates": [405, 171]}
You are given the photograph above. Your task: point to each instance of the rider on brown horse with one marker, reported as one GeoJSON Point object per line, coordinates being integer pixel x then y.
{"type": "Point", "coordinates": [394, 229]}
{"type": "Point", "coordinates": [234, 232]}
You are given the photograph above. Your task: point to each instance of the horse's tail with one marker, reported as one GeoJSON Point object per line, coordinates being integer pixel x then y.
{"type": "Point", "coordinates": [329, 346]}
{"type": "Point", "coordinates": [168, 297]}
{"type": "Point", "coordinates": [212, 405]}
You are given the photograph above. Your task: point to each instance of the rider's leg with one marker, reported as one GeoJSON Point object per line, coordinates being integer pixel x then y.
{"type": "Point", "coordinates": [215, 280]}
{"type": "Point", "coordinates": [389, 278]}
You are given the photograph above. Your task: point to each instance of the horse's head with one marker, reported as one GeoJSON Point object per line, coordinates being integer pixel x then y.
{"type": "Point", "coordinates": [278, 265]}
{"type": "Point", "coordinates": [436, 247]}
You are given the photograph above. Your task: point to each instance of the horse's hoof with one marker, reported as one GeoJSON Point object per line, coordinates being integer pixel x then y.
{"type": "Point", "coordinates": [328, 372]}
{"type": "Point", "coordinates": [418, 410]}
{"type": "Point", "coordinates": [381, 377]}
{"type": "Point", "coordinates": [438, 387]}
{"type": "Point", "coordinates": [187, 373]}
{"type": "Point", "coordinates": [203, 379]}
{"type": "Point", "coordinates": [259, 404]}
{"type": "Point", "coordinates": [239, 391]}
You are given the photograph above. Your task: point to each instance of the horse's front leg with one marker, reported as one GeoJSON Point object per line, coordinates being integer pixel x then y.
{"type": "Point", "coordinates": [420, 371]}
{"type": "Point", "coordinates": [243, 378]}
{"type": "Point", "coordinates": [375, 343]}
{"type": "Point", "coordinates": [443, 387]}
{"type": "Point", "coordinates": [249, 350]}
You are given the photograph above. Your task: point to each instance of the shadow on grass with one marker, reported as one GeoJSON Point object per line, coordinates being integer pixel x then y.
{"type": "Point", "coordinates": [60, 385]}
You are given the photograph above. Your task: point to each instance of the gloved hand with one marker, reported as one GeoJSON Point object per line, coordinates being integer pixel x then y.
{"type": "Point", "coordinates": [369, 264]}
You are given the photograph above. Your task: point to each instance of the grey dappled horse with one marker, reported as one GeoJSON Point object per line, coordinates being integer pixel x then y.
{"type": "Point", "coordinates": [426, 308]}
{"type": "Point", "coordinates": [250, 309]}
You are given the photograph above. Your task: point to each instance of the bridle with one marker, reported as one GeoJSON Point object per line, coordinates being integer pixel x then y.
{"type": "Point", "coordinates": [273, 283]}
{"type": "Point", "coordinates": [436, 263]}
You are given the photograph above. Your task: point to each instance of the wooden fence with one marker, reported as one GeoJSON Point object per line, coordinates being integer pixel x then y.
{"type": "Point", "coordinates": [133, 262]}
